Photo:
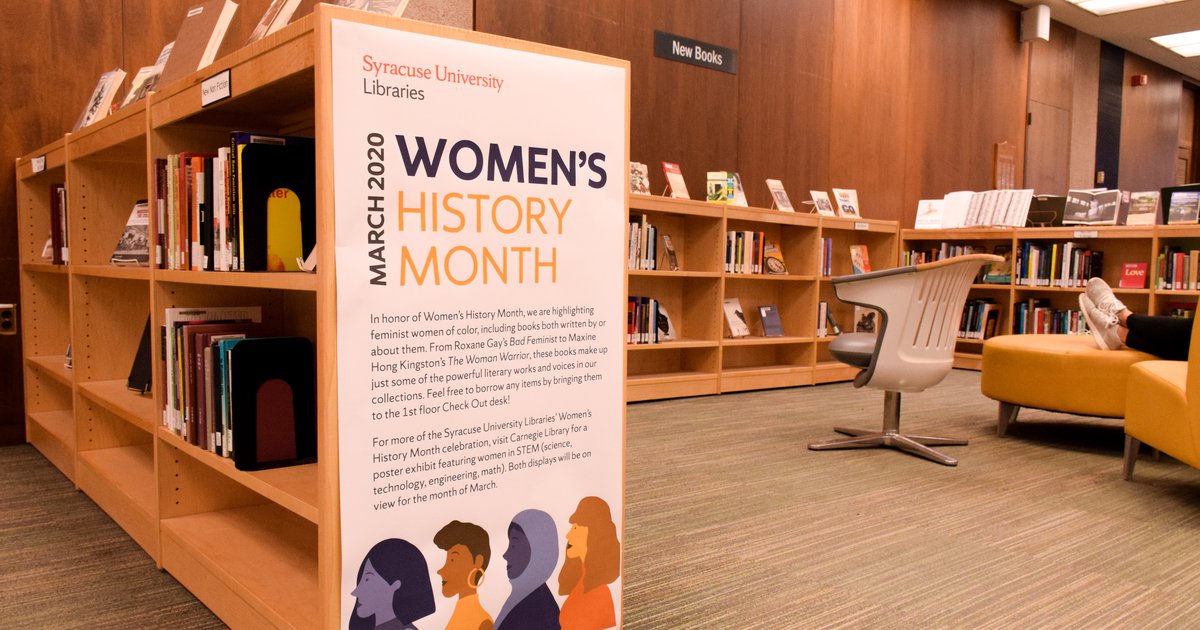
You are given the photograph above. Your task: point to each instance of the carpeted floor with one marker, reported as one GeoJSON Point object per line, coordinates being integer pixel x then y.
{"type": "Point", "coordinates": [732, 523]}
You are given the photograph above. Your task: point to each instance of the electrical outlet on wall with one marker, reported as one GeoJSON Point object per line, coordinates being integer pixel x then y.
{"type": "Point", "coordinates": [8, 319]}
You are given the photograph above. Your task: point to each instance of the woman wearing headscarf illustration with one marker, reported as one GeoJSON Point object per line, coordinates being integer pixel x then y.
{"type": "Point", "coordinates": [467, 555]}
{"type": "Point", "coordinates": [592, 562]}
{"type": "Point", "coordinates": [393, 588]}
{"type": "Point", "coordinates": [532, 555]}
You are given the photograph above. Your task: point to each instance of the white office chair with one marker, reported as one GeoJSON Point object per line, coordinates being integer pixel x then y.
{"type": "Point", "coordinates": [913, 347]}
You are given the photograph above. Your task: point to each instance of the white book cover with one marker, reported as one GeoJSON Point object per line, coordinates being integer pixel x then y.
{"type": "Point", "coordinates": [735, 318]}
{"type": "Point", "coordinates": [1143, 208]}
{"type": "Point", "coordinates": [929, 214]}
{"type": "Point", "coordinates": [779, 196]}
{"type": "Point", "coordinates": [739, 192]}
{"type": "Point", "coordinates": [847, 202]}
{"type": "Point", "coordinates": [822, 203]}
{"type": "Point", "coordinates": [955, 207]}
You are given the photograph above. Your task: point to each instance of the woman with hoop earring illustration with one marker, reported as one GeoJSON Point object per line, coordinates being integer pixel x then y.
{"type": "Point", "coordinates": [467, 555]}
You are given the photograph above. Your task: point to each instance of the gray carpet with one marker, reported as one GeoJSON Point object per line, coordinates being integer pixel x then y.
{"type": "Point", "coordinates": [732, 523]}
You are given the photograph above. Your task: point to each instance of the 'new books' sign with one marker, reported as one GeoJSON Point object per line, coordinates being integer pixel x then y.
{"type": "Point", "coordinates": [480, 213]}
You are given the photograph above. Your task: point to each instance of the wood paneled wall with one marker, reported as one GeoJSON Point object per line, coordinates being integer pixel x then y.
{"type": "Point", "coordinates": [1150, 117]}
{"type": "Point", "coordinates": [900, 100]}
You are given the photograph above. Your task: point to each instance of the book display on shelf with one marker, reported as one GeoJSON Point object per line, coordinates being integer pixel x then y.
{"type": "Point", "coordinates": [1097, 206]}
{"type": "Point", "coordinates": [773, 262]}
{"type": "Point", "coordinates": [199, 39]}
{"type": "Point", "coordinates": [1133, 275]}
{"type": "Point", "coordinates": [822, 204]}
{"type": "Point", "coordinates": [930, 214]}
{"type": "Point", "coordinates": [1143, 208]}
{"type": "Point", "coordinates": [100, 103]}
{"type": "Point", "coordinates": [980, 319]}
{"type": "Point", "coordinates": [846, 202]}
{"type": "Point", "coordinates": [276, 16]}
{"type": "Point", "coordinates": [735, 318]}
{"type": "Point", "coordinates": [669, 250]}
{"type": "Point", "coordinates": [860, 259]}
{"type": "Point", "coordinates": [676, 185]}
{"type": "Point", "coordinates": [744, 251]}
{"type": "Point", "coordinates": [779, 196]}
{"type": "Point", "coordinates": [643, 244]}
{"type": "Point", "coordinates": [1183, 206]}
{"type": "Point", "coordinates": [147, 77]}
{"type": "Point", "coordinates": [997, 208]}
{"type": "Point", "coordinates": [59, 247]}
{"type": "Point", "coordinates": [1001, 272]}
{"type": "Point", "coordinates": [639, 178]}
{"type": "Point", "coordinates": [1176, 269]}
{"type": "Point", "coordinates": [768, 314]}
{"type": "Point", "coordinates": [133, 247]}
{"type": "Point", "coordinates": [739, 192]}
{"type": "Point", "coordinates": [719, 187]}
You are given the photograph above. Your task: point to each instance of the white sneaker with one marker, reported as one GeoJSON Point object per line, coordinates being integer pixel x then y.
{"type": "Point", "coordinates": [1103, 326]}
{"type": "Point", "coordinates": [1102, 297]}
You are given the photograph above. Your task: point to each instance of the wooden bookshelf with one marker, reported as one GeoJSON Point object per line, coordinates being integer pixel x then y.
{"type": "Point", "coordinates": [1119, 244]}
{"type": "Point", "coordinates": [705, 360]}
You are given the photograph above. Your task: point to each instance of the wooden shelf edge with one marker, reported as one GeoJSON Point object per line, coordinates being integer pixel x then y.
{"type": "Point", "coordinates": [260, 557]}
{"type": "Point", "coordinates": [118, 399]}
{"type": "Point", "coordinates": [55, 367]}
{"type": "Point", "coordinates": [278, 485]}
{"type": "Point", "coordinates": [44, 267]}
{"type": "Point", "coordinates": [120, 272]}
{"type": "Point", "coordinates": [286, 280]}
{"type": "Point", "coordinates": [44, 432]}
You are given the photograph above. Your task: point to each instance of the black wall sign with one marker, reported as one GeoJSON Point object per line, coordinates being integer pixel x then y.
{"type": "Point", "coordinates": [697, 53]}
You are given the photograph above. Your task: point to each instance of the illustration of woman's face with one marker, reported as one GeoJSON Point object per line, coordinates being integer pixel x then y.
{"type": "Point", "coordinates": [518, 552]}
{"type": "Point", "coordinates": [577, 541]}
{"type": "Point", "coordinates": [456, 571]}
{"type": "Point", "coordinates": [374, 595]}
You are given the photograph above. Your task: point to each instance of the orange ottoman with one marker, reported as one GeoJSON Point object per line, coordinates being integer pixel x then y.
{"type": "Point", "coordinates": [1065, 373]}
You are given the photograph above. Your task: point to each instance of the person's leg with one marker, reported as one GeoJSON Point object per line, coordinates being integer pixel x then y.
{"type": "Point", "coordinates": [1164, 337]}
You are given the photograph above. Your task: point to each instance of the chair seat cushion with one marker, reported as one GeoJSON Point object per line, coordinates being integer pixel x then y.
{"type": "Point", "coordinates": [1065, 373]}
{"type": "Point", "coordinates": [854, 349]}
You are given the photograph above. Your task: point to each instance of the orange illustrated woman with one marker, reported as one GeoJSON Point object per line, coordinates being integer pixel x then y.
{"type": "Point", "coordinates": [592, 562]}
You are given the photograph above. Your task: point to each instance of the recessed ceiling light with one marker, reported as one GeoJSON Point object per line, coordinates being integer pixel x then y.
{"type": "Point", "coordinates": [1104, 7]}
{"type": "Point", "coordinates": [1186, 44]}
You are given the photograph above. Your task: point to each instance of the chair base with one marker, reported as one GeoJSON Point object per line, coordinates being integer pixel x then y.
{"type": "Point", "coordinates": [914, 444]}
{"type": "Point", "coordinates": [891, 436]}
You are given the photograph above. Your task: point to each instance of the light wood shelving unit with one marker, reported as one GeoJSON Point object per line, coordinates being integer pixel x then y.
{"type": "Point", "coordinates": [1120, 244]}
{"type": "Point", "coordinates": [704, 360]}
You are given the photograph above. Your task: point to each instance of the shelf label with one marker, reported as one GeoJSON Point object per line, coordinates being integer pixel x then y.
{"type": "Point", "coordinates": [860, 225]}
{"type": "Point", "coordinates": [479, 345]}
{"type": "Point", "coordinates": [215, 89]}
{"type": "Point", "coordinates": [1087, 233]}
{"type": "Point", "coordinates": [38, 164]}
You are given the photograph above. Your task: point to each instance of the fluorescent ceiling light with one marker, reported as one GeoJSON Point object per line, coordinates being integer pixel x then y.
{"type": "Point", "coordinates": [1186, 44]}
{"type": "Point", "coordinates": [1104, 7]}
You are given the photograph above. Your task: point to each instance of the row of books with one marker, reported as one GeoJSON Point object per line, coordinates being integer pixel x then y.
{"type": "Point", "coordinates": [1036, 316]}
{"type": "Point", "coordinates": [749, 252]}
{"type": "Point", "coordinates": [249, 206]}
{"type": "Point", "coordinates": [224, 371]}
{"type": "Point", "coordinates": [980, 319]}
{"type": "Point", "coordinates": [1176, 269]}
{"type": "Point", "coordinates": [995, 273]}
{"type": "Point", "coordinates": [965, 208]}
{"type": "Point", "coordinates": [647, 321]}
{"type": "Point", "coordinates": [642, 248]}
{"type": "Point", "coordinates": [1067, 264]}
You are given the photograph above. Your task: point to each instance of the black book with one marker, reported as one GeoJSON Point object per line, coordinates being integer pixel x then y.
{"type": "Point", "coordinates": [140, 372]}
{"type": "Point", "coordinates": [272, 389]}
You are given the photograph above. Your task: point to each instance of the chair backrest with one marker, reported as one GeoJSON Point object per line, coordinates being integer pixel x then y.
{"type": "Point", "coordinates": [920, 308]}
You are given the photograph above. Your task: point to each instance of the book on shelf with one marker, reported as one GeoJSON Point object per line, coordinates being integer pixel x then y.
{"type": "Point", "coordinates": [669, 249]}
{"type": "Point", "coordinates": [276, 201]}
{"type": "Point", "coordinates": [864, 319]}
{"type": "Point", "coordinates": [822, 203]}
{"type": "Point", "coordinates": [133, 246]}
{"type": "Point", "coordinates": [779, 196]}
{"type": "Point", "coordinates": [140, 372]}
{"type": "Point", "coordinates": [1183, 207]}
{"type": "Point", "coordinates": [822, 319]}
{"type": "Point", "coordinates": [100, 103]}
{"type": "Point", "coordinates": [735, 318]}
{"type": "Point", "coordinates": [664, 328]}
{"type": "Point", "coordinates": [676, 186]}
{"type": "Point", "coordinates": [1095, 206]}
{"type": "Point", "coordinates": [1004, 207]}
{"type": "Point", "coordinates": [719, 187]}
{"type": "Point", "coordinates": [1143, 208]}
{"type": "Point", "coordinates": [273, 403]}
{"type": "Point", "coordinates": [739, 192]}
{"type": "Point", "coordinates": [199, 39]}
{"type": "Point", "coordinates": [1133, 275]}
{"type": "Point", "coordinates": [773, 262]}
{"type": "Point", "coordinates": [197, 378]}
{"type": "Point", "coordinates": [860, 259]}
{"type": "Point", "coordinates": [59, 250]}
{"type": "Point", "coordinates": [769, 315]}
{"type": "Point", "coordinates": [277, 16]}
{"type": "Point", "coordinates": [999, 272]}
{"type": "Point", "coordinates": [744, 251]}
{"type": "Point", "coordinates": [929, 214]}
{"type": "Point", "coordinates": [647, 321]}
{"type": "Point", "coordinates": [1046, 210]}
{"type": "Point", "coordinates": [826, 256]}
{"type": "Point", "coordinates": [639, 178]}
{"type": "Point", "coordinates": [846, 202]}
{"type": "Point", "coordinates": [642, 242]}
{"type": "Point", "coordinates": [980, 319]}
{"type": "Point", "coordinates": [1176, 268]}
{"type": "Point", "coordinates": [146, 78]}
{"type": "Point", "coordinates": [394, 8]}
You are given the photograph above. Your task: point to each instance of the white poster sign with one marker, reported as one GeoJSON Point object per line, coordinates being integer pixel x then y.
{"type": "Point", "coordinates": [479, 210]}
